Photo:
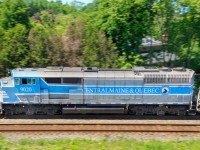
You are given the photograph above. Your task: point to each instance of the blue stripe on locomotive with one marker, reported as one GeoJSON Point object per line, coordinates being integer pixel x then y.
{"type": "Point", "coordinates": [40, 86]}
{"type": "Point", "coordinates": [75, 89]}
{"type": "Point", "coordinates": [135, 90]}
{"type": "Point", "coordinates": [57, 88]}
{"type": "Point", "coordinates": [139, 90]}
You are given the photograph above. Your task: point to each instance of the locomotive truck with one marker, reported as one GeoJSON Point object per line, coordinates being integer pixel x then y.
{"type": "Point", "coordinates": [82, 90]}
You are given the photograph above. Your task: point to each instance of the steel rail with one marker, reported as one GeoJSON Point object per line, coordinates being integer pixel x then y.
{"type": "Point", "coordinates": [110, 117]}
{"type": "Point", "coordinates": [119, 128]}
{"type": "Point", "coordinates": [93, 124]}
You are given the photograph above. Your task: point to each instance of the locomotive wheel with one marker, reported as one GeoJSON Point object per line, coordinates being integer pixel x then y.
{"type": "Point", "coordinates": [139, 113]}
{"type": "Point", "coordinates": [9, 112]}
{"type": "Point", "coordinates": [181, 113]}
{"type": "Point", "coordinates": [160, 112]}
{"type": "Point", "coordinates": [131, 110]}
{"type": "Point", "coordinates": [30, 111]}
{"type": "Point", "coordinates": [50, 112]}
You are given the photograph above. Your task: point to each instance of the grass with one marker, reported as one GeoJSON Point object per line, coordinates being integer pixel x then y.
{"type": "Point", "coordinates": [27, 144]}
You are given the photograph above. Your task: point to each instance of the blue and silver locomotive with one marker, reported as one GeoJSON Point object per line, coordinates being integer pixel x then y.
{"type": "Point", "coordinates": [66, 90]}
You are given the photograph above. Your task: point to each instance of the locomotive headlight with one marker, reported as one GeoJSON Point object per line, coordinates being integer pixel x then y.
{"type": "Point", "coordinates": [9, 72]}
{"type": "Point", "coordinates": [5, 81]}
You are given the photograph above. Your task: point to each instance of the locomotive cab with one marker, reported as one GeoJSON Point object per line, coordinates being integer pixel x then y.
{"type": "Point", "coordinates": [19, 91]}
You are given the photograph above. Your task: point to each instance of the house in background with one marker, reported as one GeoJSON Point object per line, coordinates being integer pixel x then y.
{"type": "Point", "coordinates": [152, 52]}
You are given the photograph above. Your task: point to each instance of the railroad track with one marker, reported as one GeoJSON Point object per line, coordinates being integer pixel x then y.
{"type": "Point", "coordinates": [101, 128]}
{"type": "Point", "coordinates": [103, 116]}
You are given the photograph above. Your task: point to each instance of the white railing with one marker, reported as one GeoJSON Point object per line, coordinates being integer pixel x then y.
{"type": "Point", "coordinates": [198, 101]}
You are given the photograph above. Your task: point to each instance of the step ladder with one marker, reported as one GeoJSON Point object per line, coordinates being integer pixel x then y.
{"type": "Point", "coordinates": [198, 102]}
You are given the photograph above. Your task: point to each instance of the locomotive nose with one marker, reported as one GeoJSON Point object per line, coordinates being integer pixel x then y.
{"type": "Point", "coordinates": [1, 93]}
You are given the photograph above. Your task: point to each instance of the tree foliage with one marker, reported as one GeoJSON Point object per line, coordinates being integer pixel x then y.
{"type": "Point", "coordinates": [38, 43]}
{"type": "Point", "coordinates": [126, 22]}
{"type": "Point", "coordinates": [15, 47]}
{"type": "Point", "coordinates": [13, 12]}
{"type": "Point", "coordinates": [181, 28]}
{"type": "Point", "coordinates": [100, 52]}
{"type": "Point", "coordinates": [105, 33]}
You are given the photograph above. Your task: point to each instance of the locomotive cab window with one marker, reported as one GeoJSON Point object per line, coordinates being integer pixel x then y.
{"type": "Point", "coordinates": [24, 81]}
{"type": "Point", "coordinates": [28, 81]}
{"type": "Point", "coordinates": [33, 80]}
{"type": "Point", "coordinates": [17, 81]}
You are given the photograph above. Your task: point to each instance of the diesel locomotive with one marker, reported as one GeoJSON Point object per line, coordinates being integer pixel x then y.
{"type": "Point", "coordinates": [82, 90]}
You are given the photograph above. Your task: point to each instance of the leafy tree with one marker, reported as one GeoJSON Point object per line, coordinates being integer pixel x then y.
{"type": "Point", "coordinates": [47, 18]}
{"type": "Point", "coordinates": [91, 7]}
{"type": "Point", "coordinates": [191, 30]}
{"type": "Point", "coordinates": [36, 6]}
{"type": "Point", "coordinates": [55, 49]}
{"type": "Point", "coordinates": [98, 50]}
{"type": "Point", "coordinates": [124, 62]}
{"type": "Point", "coordinates": [177, 29]}
{"type": "Point", "coordinates": [125, 22]}
{"type": "Point", "coordinates": [14, 47]}
{"type": "Point", "coordinates": [2, 68]}
{"type": "Point", "coordinates": [105, 33]}
{"type": "Point", "coordinates": [38, 43]}
{"type": "Point", "coordinates": [13, 12]}
{"type": "Point", "coordinates": [165, 28]}
{"type": "Point", "coordinates": [72, 43]}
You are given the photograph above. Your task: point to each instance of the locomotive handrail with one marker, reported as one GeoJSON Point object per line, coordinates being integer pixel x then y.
{"type": "Point", "coordinates": [198, 101]}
